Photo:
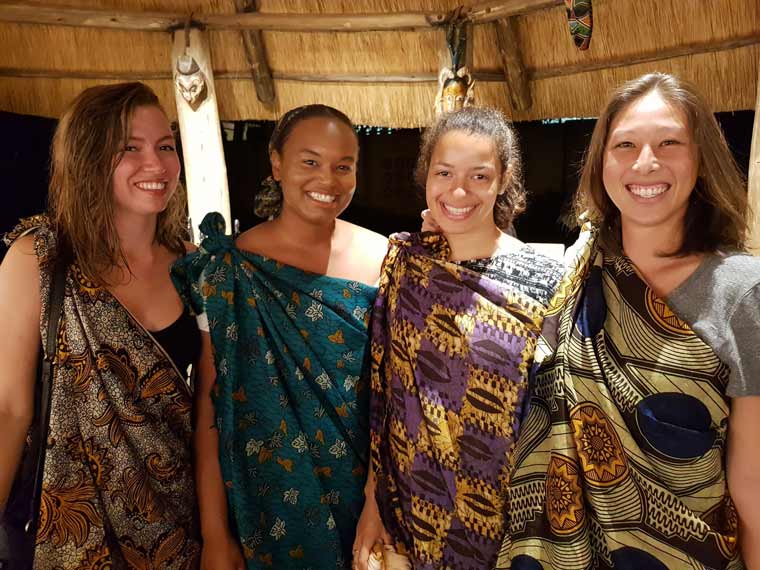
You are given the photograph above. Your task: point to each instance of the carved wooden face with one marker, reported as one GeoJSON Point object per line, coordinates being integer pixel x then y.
{"type": "Point", "coordinates": [192, 88]}
{"type": "Point", "coordinates": [454, 94]}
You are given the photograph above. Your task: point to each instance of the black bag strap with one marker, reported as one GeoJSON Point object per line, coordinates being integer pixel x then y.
{"type": "Point", "coordinates": [57, 291]}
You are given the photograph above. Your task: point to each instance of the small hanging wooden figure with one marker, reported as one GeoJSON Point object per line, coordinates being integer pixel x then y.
{"type": "Point", "coordinates": [189, 79]}
{"type": "Point", "coordinates": [455, 84]}
{"type": "Point", "coordinates": [580, 20]}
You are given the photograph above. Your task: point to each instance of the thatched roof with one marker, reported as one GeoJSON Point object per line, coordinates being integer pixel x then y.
{"type": "Point", "coordinates": [44, 66]}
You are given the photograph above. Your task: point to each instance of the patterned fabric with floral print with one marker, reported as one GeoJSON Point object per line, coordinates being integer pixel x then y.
{"type": "Point", "coordinates": [621, 460]}
{"type": "Point", "coordinates": [118, 488]}
{"type": "Point", "coordinates": [451, 350]}
{"type": "Point", "coordinates": [290, 399]}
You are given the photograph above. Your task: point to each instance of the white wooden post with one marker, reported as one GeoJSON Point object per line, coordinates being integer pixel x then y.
{"type": "Point", "coordinates": [754, 177]}
{"type": "Point", "coordinates": [200, 129]}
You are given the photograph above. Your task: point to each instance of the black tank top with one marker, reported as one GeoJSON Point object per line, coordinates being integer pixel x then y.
{"type": "Point", "coordinates": [181, 340]}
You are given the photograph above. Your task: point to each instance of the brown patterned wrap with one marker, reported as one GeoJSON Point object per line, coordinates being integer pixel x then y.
{"type": "Point", "coordinates": [118, 486]}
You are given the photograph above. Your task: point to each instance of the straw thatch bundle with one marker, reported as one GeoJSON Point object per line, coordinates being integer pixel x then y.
{"type": "Point", "coordinates": [624, 30]}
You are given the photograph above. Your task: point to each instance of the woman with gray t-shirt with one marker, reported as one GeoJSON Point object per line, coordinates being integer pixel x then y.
{"type": "Point", "coordinates": [639, 447]}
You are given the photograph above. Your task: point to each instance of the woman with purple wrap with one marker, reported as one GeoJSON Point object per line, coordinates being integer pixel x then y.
{"type": "Point", "coordinates": [454, 329]}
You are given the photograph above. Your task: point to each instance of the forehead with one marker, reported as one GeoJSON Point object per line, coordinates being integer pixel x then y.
{"type": "Point", "coordinates": [649, 112]}
{"type": "Point", "coordinates": [147, 118]}
{"type": "Point", "coordinates": [323, 130]}
{"type": "Point", "coordinates": [464, 144]}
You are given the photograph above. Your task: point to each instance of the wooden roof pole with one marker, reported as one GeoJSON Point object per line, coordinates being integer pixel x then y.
{"type": "Point", "coordinates": [754, 176]}
{"type": "Point", "coordinates": [203, 155]}
{"type": "Point", "coordinates": [256, 54]}
{"type": "Point", "coordinates": [512, 64]}
{"type": "Point", "coordinates": [498, 9]}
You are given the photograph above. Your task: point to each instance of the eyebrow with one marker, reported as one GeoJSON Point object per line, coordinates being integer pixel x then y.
{"type": "Point", "coordinates": [663, 128]}
{"type": "Point", "coordinates": [141, 139]}
{"type": "Point", "coordinates": [315, 153]}
{"type": "Point", "coordinates": [479, 167]}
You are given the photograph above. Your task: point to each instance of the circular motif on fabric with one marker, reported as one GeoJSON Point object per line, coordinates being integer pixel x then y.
{"type": "Point", "coordinates": [564, 497]}
{"type": "Point", "coordinates": [525, 562]}
{"type": "Point", "coordinates": [630, 558]}
{"type": "Point", "coordinates": [676, 425]}
{"type": "Point", "coordinates": [664, 317]}
{"type": "Point", "coordinates": [599, 447]}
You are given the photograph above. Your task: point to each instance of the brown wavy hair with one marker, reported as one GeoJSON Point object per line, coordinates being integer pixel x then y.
{"type": "Point", "coordinates": [491, 124]}
{"type": "Point", "coordinates": [718, 212]}
{"type": "Point", "coordinates": [87, 147]}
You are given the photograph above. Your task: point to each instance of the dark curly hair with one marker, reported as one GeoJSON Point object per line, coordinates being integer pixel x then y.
{"type": "Point", "coordinates": [491, 124]}
{"type": "Point", "coordinates": [268, 201]}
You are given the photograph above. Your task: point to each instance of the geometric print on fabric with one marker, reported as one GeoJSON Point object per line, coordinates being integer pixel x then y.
{"type": "Point", "coordinates": [451, 350]}
{"type": "Point", "coordinates": [621, 459]}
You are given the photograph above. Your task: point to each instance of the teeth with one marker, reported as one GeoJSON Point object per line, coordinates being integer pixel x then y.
{"type": "Point", "coordinates": [648, 191]}
{"type": "Point", "coordinates": [458, 211]}
{"type": "Point", "coordinates": [151, 185]}
{"type": "Point", "coordinates": [327, 198]}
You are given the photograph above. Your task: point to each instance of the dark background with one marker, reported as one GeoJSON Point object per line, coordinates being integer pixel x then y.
{"type": "Point", "coordinates": [386, 199]}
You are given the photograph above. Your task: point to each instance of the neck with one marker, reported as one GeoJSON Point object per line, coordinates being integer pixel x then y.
{"type": "Point", "coordinates": [645, 246]}
{"type": "Point", "coordinates": [299, 233]}
{"type": "Point", "coordinates": [137, 235]}
{"type": "Point", "coordinates": [476, 244]}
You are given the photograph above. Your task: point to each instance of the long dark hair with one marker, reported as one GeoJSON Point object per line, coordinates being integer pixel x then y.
{"type": "Point", "coordinates": [718, 213]}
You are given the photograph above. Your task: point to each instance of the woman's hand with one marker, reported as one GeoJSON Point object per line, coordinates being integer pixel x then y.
{"type": "Point", "coordinates": [221, 553]}
{"type": "Point", "coordinates": [428, 222]}
{"type": "Point", "coordinates": [369, 532]}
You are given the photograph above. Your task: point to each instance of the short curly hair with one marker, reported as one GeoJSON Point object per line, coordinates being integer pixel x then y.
{"type": "Point", "coordinates": [491, 124]}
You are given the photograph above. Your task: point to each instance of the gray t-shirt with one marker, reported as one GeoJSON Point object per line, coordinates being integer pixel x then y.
{"type": "Point", "coordinates": [720, 301]}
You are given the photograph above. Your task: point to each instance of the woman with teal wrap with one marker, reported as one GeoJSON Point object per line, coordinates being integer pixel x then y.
{"type": "Point", "coordinates": [287, 307]}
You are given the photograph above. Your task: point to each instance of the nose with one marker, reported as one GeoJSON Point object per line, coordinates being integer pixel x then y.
{"type": "Point", "coordinates": [458, 187]}
{"type": "Point", "coordinates": [152, 161]}
{"type": "Point", "coordinates": [646, 162]}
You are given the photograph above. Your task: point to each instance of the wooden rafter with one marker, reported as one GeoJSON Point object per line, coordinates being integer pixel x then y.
{"type": "Point", "coordinates": [20, 12]}
{"type": "Point", "coordinates": [80, 17]}
{"type": "Point", "coordinates": [490, 11]}
{"type": "Point", "coordinates": [511, 62]}
{"type": "Point", "coordinates": [255, 53]}
{"type": "Point", "coordinates": [162, 22]}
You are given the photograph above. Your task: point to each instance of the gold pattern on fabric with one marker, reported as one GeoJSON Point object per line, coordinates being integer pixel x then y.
{"type": "Point", "coordinates": [621, 460]}
{"type": "Point", "coordinates": [117, 488]}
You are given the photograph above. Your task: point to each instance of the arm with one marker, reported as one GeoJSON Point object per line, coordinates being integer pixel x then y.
{"type": "Point", "coordinates": [220, 548]}
{"type": "Point", "coordinates": [19, 351]}
{"type": "Point", "coordinates": [743, 466]}
{"type": "Point", "coordinates": [370, 529]}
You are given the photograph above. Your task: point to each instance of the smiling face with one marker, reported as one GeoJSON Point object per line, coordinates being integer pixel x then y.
{"type": "Point", "coordinates": [463, 182]}
{"type": "Point", "coordinates": [146, 175]}
{"type": "Point", "coordinates": [317, 169]}
{"type": "Point", "coordinates": [651, 164]}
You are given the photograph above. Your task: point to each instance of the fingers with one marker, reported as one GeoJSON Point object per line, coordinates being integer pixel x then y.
{"type": "Point", "coordinates": [428, 222]}
{"type": "Point", "coordinates": [386, 537]}
{"type": "Point", "coordinates": [364, 553]}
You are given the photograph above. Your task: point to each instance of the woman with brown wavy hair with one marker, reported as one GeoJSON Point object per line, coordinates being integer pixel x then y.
{"type": "Point", "coordinates": [639, 449]}
{"type": "Point", "coordinates": [117, 488]}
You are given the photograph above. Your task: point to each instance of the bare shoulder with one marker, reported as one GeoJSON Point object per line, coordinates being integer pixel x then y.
{"type": "Point", "coordinates": [21, 260]}
{"type": "Point", "coordinates": [366, 242]}
{"type": "Point", "coordinates": [19, 276]}
{"type": "Point", "coordinates": [259, 239]}
{"type": "Point", "coordinates": [190, 247]}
